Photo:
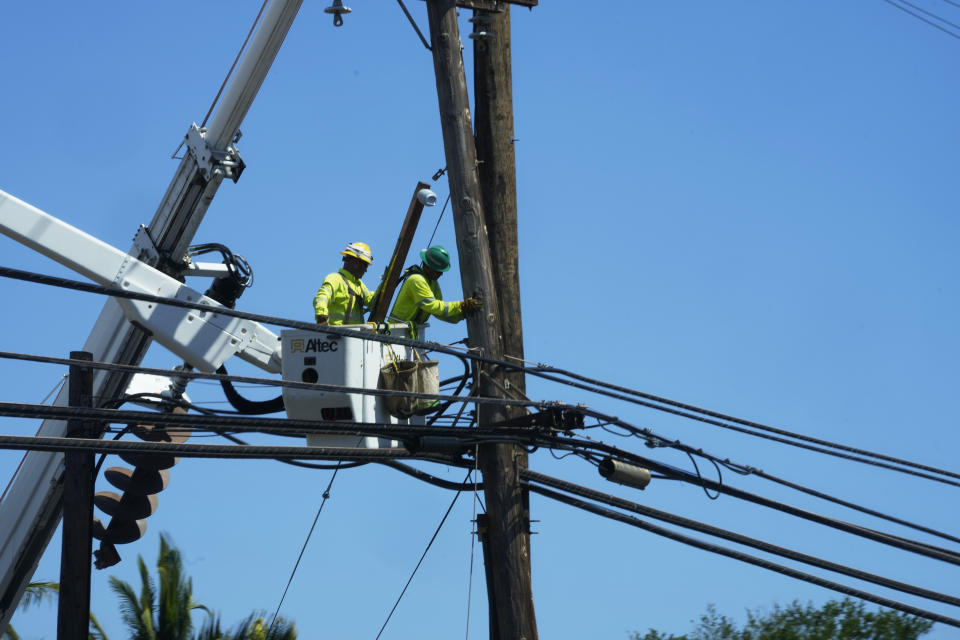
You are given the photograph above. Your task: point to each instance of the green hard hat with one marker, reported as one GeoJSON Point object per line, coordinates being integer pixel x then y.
{"type": "Point", "coordinates": [436, 257]}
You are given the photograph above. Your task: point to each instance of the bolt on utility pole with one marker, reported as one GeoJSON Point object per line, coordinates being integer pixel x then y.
{"type": "Point", "coordinates": [73, 607]}
{"type": "Point", "coordinates": [512, 596]}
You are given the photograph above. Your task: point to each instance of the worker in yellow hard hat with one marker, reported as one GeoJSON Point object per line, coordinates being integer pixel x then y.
{"type": "Point", "coordinates": [420, 296]}
{"type": "Point", "coordinates": [343, 298]}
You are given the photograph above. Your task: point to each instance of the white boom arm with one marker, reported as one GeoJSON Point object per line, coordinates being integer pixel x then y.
{"type": "Point", "coordinates": [30, 512]}
{"type": "Point", "coordinates": [203, 339]}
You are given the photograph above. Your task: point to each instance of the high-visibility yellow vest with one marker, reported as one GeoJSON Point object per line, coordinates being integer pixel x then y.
{"type": "Point", "coordinates": [342, 298]}
{"type": "Point", "coordinates": [420, 298]}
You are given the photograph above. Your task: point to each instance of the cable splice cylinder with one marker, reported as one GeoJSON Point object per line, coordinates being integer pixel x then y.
{"type": "Point", "coordinates": [623, 473]}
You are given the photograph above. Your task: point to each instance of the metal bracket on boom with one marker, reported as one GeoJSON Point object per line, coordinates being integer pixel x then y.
{"type": "Point", "coordinates": [146, 247]}
{"type": "Point", "coordinates": [210, 161]}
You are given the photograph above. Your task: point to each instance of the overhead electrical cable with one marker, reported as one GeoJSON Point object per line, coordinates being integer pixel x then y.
{"type": "Point", "coordinates": [473, 537]}
{"type": "Point", "coordinates": [729, 418]}
{"type": "Point", "coordinates": [298, 463]}
{"type": "Point", "coordinates": [257, 425]}
{"type": "Point", "coordinates": [443, 435]}
{"type": "Point", "coordinates": [921, 548]}
{"type": "Point", "coordinates": [687, 523]}
{"type": "Point", "coordinates": [922, 19]}
{"type": "Point", "coordinates": [730, 553]}
{"type": "Point", "coordinates": [428, 478]}
{"type": "Point", "coordinates": [930, 13]}
{"type": "Point", "coordinates": [193, 450]}
{"type": "Point", "coordinates": [424, 555]}
{"type": "Point", "coordinates": [414, 24]}
{"type": "Point", "coordinates": [326, 496]}
{"type": "Point", "coordinates": [541, 370]}
{"type": "Point", "coordinates": [234, 65]}
{"type": "Point", "coordinates": [928, 476]}
{"type": "Point", "coordinates": [742, 469]}
{"type": "Point", "coordinates": [274, 382]}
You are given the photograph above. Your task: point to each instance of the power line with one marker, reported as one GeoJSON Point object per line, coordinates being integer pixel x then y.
{"type": "Point", "coordinates": [730, 553]}
{"type": "Point", "coordinates": [289, 426]}
{"type": "Point", "coordinates": [463, 436]}
{"type": "Point", "coordinates": [730, 536]}
{"type": "Point", "coordinates": [659, 441]}
{"type": "Point", "coordinates": [326, 496]}
{"type": "Point", "coordinates": [899, 542]}
{"type": "Point", "coordinates": [921, 18]}
{"type": "Point", "coordinates": [234, 65]}
{"type": "Point", "coordinates": [542, 370]}
{"type": "Point", "coordinates": [273, 382]}
{"type": "Point", "coordinates": [725, 417]}
{"type": "Point", "coordinates": [931, 14]}
{"type": "Point", "coordinates": [192, 450]}
{"type": "Point", "coordinates": [301, 427]}
{"type": "Point", "coordinates": [424, 555]}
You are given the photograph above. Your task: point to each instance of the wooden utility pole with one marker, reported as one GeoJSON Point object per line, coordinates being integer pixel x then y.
{"type": "Point", "coordinates": [493, 101]}
{"type": "Point", "coordinates": [509, 557]}
{"type": "Point", "coordinates": [73, 608]}
{"type": "Point", "coordinates": [493, 98]}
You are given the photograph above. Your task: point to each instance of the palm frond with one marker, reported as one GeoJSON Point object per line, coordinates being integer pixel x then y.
{"type": "Point", "coordinates": [37, 592]}
{"type": "Point", "coordinates": [255, 627]}
{"type": "Point", "coordinates": [130, 611]}
{"type": "Point", "coordinates": [96, 632]}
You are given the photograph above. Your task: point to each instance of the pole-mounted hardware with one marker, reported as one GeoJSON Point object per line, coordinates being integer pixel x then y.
{"type": "Point", "coordinates": [624, 473]}
{"type": "Point", "coordinates": [337, 9]}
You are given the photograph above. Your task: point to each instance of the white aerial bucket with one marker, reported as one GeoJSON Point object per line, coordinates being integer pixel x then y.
{"type": "Point", "coordinates": [326, 358]}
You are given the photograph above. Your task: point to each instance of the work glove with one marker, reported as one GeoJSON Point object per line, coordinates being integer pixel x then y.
{"type": "Point", "coordinates": [321, 319]}
{"type": "Point", "coordinates": [470, 305]}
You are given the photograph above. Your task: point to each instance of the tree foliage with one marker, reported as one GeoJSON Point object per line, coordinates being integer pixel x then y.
{"type": "Point", "coordinates": [845, 619]}
{"type": "Point", "coordinates": [162, 610]}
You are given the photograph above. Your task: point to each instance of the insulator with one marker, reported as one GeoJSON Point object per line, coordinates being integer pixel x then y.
{"type": "Point", "coordinates": [337, 9]}
{"type": "Point", "coordinates": [624, 473]}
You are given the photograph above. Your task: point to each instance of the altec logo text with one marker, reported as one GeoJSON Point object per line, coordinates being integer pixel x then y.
{"type": "Point", "coordinates": [313, 345]}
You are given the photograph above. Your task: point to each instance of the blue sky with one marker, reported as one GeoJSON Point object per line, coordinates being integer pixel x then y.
{"type": "Point", "coordinates": [750, 207]}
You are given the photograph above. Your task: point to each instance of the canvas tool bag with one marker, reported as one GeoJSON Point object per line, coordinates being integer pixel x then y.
{"type": "Point", "coordinates": [410, 376]}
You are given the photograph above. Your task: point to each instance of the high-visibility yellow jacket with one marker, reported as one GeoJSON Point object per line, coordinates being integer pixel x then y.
{"type": "Point", "coordinates": [420, 298]}
{"type": "Point", "coordinates": [342, 298]}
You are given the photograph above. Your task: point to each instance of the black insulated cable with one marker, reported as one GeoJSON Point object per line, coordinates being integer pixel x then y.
{"type": "Point", "coordinates": [921, 548]}
{"type": "Point", "coordinates": [245, 406]}
{"type": "Point", "coordinates": [689, 411]}
{"type": "Point", "coordinates": [430, 479]}
{"type": "Point", "coordinates": [742, 469]}
{"type": "Point", "coordinates": [730, 536]}
{"type": "Point", "coordinates": [540, 371]}
{"type": "Point", "coordinates": [743, 557]}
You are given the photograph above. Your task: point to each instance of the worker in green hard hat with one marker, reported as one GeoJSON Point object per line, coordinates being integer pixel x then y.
{"type": "Point", "coordinates": [420, 295]}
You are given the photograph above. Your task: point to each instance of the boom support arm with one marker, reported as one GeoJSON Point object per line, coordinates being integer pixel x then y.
{"type": "Point", "coordinates": [203, 339]}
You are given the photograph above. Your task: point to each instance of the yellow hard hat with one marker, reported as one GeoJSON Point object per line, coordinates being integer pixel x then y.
{"type": "Point", "coordinates": [358, 250]}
